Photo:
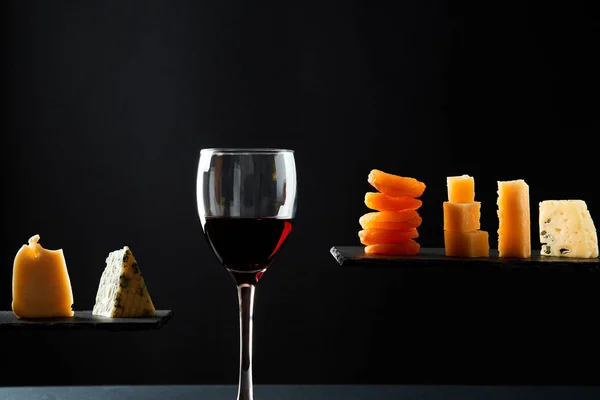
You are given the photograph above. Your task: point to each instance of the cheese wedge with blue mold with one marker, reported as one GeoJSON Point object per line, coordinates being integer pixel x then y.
{"type": "Point", "coordinates": [122, 292]}
{"type": "Point", "coordinates": [567, 229]}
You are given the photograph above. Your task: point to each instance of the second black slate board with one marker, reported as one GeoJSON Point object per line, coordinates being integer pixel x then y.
{"type": "Point", "coordinates": [85, 320]}
{"type": "Point", "coordinates": [436, 258]}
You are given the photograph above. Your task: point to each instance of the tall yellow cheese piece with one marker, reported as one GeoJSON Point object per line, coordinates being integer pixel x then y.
{"type": "Point", "coordinates": [514, 219]}
{"type": "Point", "coordinates": [41, 286]}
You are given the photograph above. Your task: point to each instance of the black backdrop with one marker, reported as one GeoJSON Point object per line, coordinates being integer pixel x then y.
{"type": "Point", "coordinates": [106, 105]}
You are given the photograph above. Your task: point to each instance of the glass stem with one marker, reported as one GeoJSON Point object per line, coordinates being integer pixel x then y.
{"type": "Point", "coordinates": [246, 300]}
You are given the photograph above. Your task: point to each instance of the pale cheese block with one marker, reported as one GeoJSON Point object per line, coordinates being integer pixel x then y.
{"type": "Point", "coordinates": [122, 291]}
{"type": "Point", "coordinates": [467, 244]}
{"type": "Point", "coordinates": [461, 188]}
{"type": "Point", "coordinates": [514, 219]}
{"type": "Point", "coordinates": [41, 286]}
{"type": "Point", "coordinates": [567, 229]}
{"type": "Point", "coordinates": [462, 217]}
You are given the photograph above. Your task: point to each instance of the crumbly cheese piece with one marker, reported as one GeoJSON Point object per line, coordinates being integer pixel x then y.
{"type": "Point", "coordinates": [567, 229]}
{"type": "Point", "coordinates": [122, 291]}
{"type": "Point", "coordinates": [467, 244]}
{"type": "Point", "coordinates": [462, 217]}
{"type": "Point", "coordinates": [461, 189]}
{"type": "Point", "coordinates": [514, 219]}
{"type": "Point", "coordinates": [41, 285]}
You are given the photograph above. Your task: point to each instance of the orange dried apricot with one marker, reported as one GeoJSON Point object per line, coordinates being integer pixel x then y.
{"type": "Point", "coordinates": [383, 236]}
{"type": "Point", "coordinates": [395, 185]}
{"type": "Point", "coordinates": [383, 202]}
{"type": "Point", "coordinates": [406, 248]}
{"type": "Point", "coordinates": [390, 220]}
{"type": "Point", "coordinates": [395, 226]}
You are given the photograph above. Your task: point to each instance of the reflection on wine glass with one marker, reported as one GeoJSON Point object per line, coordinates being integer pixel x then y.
{"type": "Point", "coordinates": [246, 204]}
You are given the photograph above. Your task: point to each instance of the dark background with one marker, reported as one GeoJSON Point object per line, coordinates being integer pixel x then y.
{"type": "Point", "coordinates": [107, 104]}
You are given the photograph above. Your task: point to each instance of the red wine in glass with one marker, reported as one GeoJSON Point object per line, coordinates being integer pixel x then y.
{"type": "Point", "coordinates": [247, 246]}
{"type": "Point", "coordinates": [247, 204]}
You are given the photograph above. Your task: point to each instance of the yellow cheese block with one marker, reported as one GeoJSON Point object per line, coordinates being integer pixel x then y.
{"type": "Point", "coordinates": [462, 217]}
{"type": "Point", "coordinates": [41, 285]}
{"type": "Point", "coordinates": [514, 219]}
{"type": "Point", "coordinates": [467, 244]}
{"type": "Point", "coordinates": [461, 189]}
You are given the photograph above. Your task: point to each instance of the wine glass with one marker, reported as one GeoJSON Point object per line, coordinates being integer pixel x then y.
{"type": "Point", "coordinates": [246, 203]}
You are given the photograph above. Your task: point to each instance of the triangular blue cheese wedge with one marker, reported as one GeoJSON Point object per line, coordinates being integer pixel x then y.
{"type": "Point", "coordinates": [567, 229]}
{"type": "Point", "coordinates": [122, 292]}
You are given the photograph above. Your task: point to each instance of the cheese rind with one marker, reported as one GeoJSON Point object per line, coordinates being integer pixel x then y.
{"type": "Point", "coordinates": [41, 285]}
{"type": "Point", "coordinates": [461, 188]}
{"type": "Point", "coordinates": [462, 217]}
{"type": "Point", "coordinates": [122, 291]}
{"type": "Point", "coordinates": [567, 229]}
{"type": "Point", "coordinates": [467, 244]}
{"type": "Point", "coordinates": [514, 219]}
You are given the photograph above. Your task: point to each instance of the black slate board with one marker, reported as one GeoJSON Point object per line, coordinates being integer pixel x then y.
{"type": "Point", "coordinates": [436, 258]}
{"type": "Point", "coordinates": [85, 320]}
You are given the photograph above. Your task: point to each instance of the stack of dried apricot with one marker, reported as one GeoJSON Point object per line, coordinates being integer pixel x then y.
{"type": "Point", "coordinates": [392, 228]}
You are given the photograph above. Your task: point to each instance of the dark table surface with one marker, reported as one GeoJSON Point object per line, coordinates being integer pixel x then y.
{"type": "Point", "coordinates": [299, 392]}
